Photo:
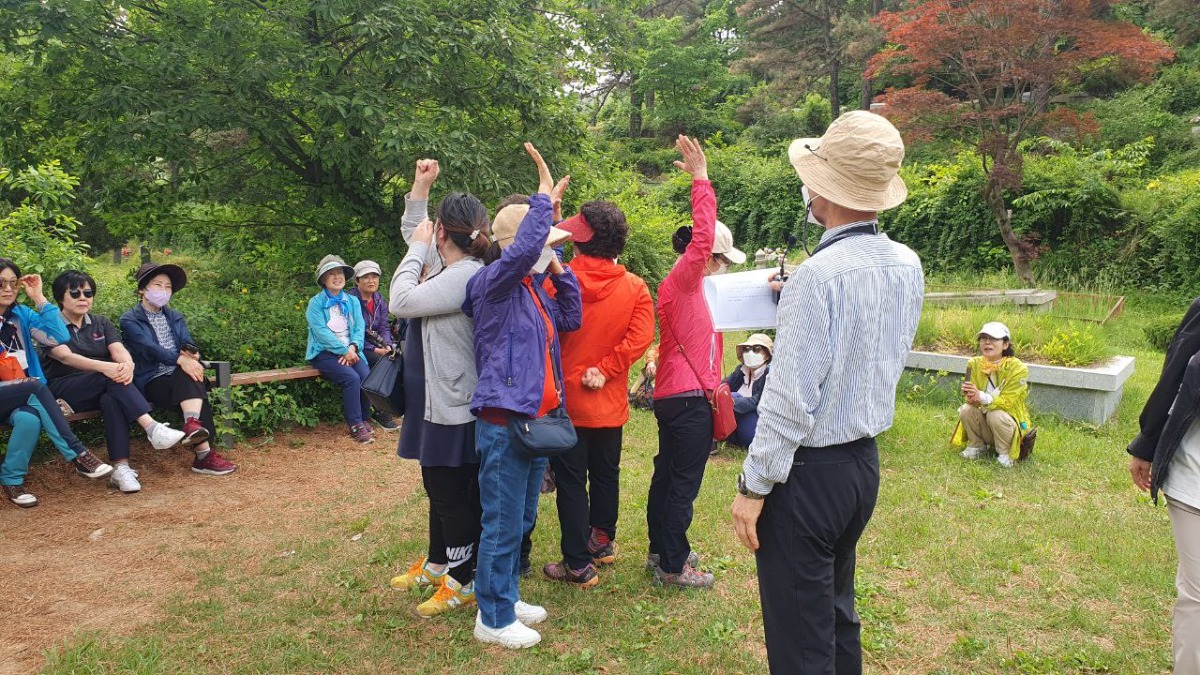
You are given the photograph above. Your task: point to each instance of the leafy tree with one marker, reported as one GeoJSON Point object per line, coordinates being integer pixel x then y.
{"type": "Point", "coordinates": [36, 232]}
{"type": "Point", "coordinates": [985, 71]}
{"type": "Point", "coordinates": [794, 43]}
{"type": "Point", "coordinates": [290, 113]}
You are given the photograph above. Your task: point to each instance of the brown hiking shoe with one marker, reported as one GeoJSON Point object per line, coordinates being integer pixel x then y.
{"type": "Point", "coordinates": [89, 466]}
{"type": "Point", "coordinates": [688, 577]}
{"type": "Point", "coordinates": [18, 495]}
{"type": "Point", "coordinates": [584, 578]}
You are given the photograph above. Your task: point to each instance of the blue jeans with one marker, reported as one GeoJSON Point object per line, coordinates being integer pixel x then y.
{"type": "Point", "coordinates": [355, 405]}
{"type": "Point", "coordinates": [509, 486]}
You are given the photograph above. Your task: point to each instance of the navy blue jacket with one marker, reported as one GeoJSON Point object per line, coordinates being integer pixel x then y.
{"type": "Point", "coordinates": [139, 339]}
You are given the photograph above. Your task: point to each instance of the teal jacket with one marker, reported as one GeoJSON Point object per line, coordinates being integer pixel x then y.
{"type": "Point", "coordinates": [321, 339]}
{"type": "Point", "coordinates": [43, 327]}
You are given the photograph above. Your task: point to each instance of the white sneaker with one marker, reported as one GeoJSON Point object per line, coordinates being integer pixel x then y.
{"type": "Point", "coordinates": [972, 452]}
{"type": "Point", "coordinates": [530, 614]}
{"type": "Point", "coordinates": [162, 436]}
{"type": "Point", "coordinates": [125, 479]}
{"type": "Point", "coordinates": [515, 635]}
{"type": "Point", "coordinates": [1005, 461]}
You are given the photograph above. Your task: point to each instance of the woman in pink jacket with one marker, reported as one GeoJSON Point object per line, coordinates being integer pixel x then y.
{"type": "Point", "coordinates": [689, 366]}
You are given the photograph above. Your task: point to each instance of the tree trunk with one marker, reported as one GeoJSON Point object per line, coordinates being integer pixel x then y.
{"type": "Point", "coordinates": [636, 97]}
{"type": "Point", "coordinates": [867, 86]}
{"type": "Point", "coordinates": [835, 101]}
{"type": "Point", "coordinates": [993, 194]}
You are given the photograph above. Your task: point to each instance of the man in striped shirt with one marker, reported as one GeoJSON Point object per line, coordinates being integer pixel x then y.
{"type": "Point", "coordinates": [846, 322]}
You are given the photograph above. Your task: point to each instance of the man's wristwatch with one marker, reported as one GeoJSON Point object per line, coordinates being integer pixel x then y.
{"type": "Point", "coordinates": [746, 492]}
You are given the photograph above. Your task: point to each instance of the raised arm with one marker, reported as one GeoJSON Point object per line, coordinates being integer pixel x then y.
{"type": "Point", "coordinates": [516, 260]}
{"type": "Point", "coordinates": [690, 268]}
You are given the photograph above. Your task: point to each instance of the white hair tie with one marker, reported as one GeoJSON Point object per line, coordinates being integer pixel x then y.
{"type": "Point", "coordinates": [474, 233]}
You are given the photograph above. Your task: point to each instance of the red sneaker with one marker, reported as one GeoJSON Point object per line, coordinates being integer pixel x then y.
{"type": "Point", "coordinates": [194, 432]}
{"type": "Point", "coordinates": [213, 464]}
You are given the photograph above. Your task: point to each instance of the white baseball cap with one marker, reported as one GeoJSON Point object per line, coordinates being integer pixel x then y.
{"type": "Point", "coordinates": [996, 330]}
{"type": "Point", "coordinates": [723, 244]}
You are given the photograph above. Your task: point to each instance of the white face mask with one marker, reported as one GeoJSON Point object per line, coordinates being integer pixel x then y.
{"type": "Point", "coordinates": [544, 261]}
{"type": "Point", "coordinates": [753, 359]}
{"type": "Point", "coordinates": [804, 194]}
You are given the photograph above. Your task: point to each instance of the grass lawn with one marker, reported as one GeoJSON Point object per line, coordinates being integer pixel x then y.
{"type": "Point", "coordinates": [1056, 566]}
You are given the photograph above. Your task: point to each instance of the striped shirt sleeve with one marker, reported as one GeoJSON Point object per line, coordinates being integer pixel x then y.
{"type": "Point", "coordinates": [799, 366]}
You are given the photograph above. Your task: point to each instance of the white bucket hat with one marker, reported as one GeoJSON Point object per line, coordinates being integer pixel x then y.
{"type": "Point", "coordinates": [855, 164]}
{"type": "Point", "coordinates": [723, 244]}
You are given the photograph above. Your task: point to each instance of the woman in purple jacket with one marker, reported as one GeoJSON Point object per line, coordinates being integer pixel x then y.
{"type": "Point", "coordinates": [379, 342]}
{"type": "Point", "coordinates": [520, 372]}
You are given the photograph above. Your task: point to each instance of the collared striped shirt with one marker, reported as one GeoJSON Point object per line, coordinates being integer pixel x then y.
{"type": "Point", "coordinates": [847, 317]}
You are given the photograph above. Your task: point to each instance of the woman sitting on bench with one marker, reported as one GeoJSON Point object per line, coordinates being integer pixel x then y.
{"type": "Point", "coordinates": [25, 402]}
{"type": "Point", "coordinates": [167, 367]}
{"type": "Point", "coordinates": [94, 371]}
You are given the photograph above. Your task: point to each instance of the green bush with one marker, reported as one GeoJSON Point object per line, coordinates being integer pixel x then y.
{"type": "Point", "coordinates": [1160, 331]}
{"type": "Point", "coordinates": [1036, 337]}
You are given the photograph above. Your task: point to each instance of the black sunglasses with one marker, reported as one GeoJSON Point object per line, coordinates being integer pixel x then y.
{"type": "Point", "coordinates": [757, 349]}
{"type": "Point", "coordinates": [85, 292]}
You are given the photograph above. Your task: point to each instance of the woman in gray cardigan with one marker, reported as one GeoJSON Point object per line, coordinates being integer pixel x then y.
{"type": "Point", "coordinates": [428, 290]}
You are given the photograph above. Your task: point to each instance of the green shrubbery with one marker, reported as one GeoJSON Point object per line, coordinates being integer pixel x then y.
{"type": "Point", "coordinates": [1037, 338]}
{"type": "Point", "coordinates": [1160, 331]}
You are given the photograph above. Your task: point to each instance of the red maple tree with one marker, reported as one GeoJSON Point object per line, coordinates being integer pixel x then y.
{"type": "Point", "coordinates": [986, 70]}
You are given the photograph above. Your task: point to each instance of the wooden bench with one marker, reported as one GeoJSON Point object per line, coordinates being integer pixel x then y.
{"type": "Point", "coordinates": [227, 378]}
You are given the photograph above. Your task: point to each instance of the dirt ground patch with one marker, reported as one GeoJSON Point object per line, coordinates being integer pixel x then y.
{"type": "Point", "coordinates": [90, 558]}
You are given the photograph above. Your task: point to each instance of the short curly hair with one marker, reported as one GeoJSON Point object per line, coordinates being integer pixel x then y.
{"type": "Point", "coordinates": [610, 231]}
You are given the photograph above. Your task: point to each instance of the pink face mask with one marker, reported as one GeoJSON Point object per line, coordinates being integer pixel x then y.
{"type": "Point", "coordinates": [158, 297]}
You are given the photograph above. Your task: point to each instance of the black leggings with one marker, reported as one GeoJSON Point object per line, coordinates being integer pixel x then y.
{"type": "Point", "coordinates": [168, 391]}
{"type": "Point", "coordinates": [454, 518]}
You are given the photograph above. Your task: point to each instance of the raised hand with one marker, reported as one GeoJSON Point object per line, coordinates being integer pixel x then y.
{"type": "Point", "coordinates": [556, 196]}
{"type": "Point", "coordinates": [694, 161]}
{"type": "Point", "coordinates": [32, 283]}
{"type": "Point", "coordinates": [545, 181]}
{"type": "Point", "coordinates": [427, 172]}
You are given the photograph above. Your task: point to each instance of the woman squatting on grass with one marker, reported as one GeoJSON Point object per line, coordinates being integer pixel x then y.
{"type": "Point", "coordinates": [428, 290]}
{"type": "Point", "coordinates": [517, 358]}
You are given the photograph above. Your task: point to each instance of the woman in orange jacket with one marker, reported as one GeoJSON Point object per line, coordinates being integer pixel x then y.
{"type": "Point", "coordinates": [618, 326]}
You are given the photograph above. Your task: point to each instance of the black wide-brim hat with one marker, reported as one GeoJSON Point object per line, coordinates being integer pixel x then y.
{"type": "Point", "coordinates": [150, 270]}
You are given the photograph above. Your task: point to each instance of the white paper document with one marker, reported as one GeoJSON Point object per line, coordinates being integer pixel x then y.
{"type": "Point", "coordinates": [741, 301]}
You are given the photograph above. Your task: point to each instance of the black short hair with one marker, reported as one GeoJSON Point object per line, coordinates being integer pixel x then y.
{"type": "Point", "coordinates": [68, 280]}
{"type": "Point", "coordinates": [6, 264]}
{"type": "Point", "coordinates": [610, 231]}
{"type": "Point", "coordinates": [512, 199]}
{"type": "Point", "coordinates": [1008, 348]}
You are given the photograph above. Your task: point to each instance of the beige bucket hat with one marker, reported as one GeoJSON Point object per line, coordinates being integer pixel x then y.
{"type": "Point", "coordinates": [757, 340]}
{"type": "Point", "coordinates": [855, 164]}
{"type": "Point", "coordinates": [508, 220]}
